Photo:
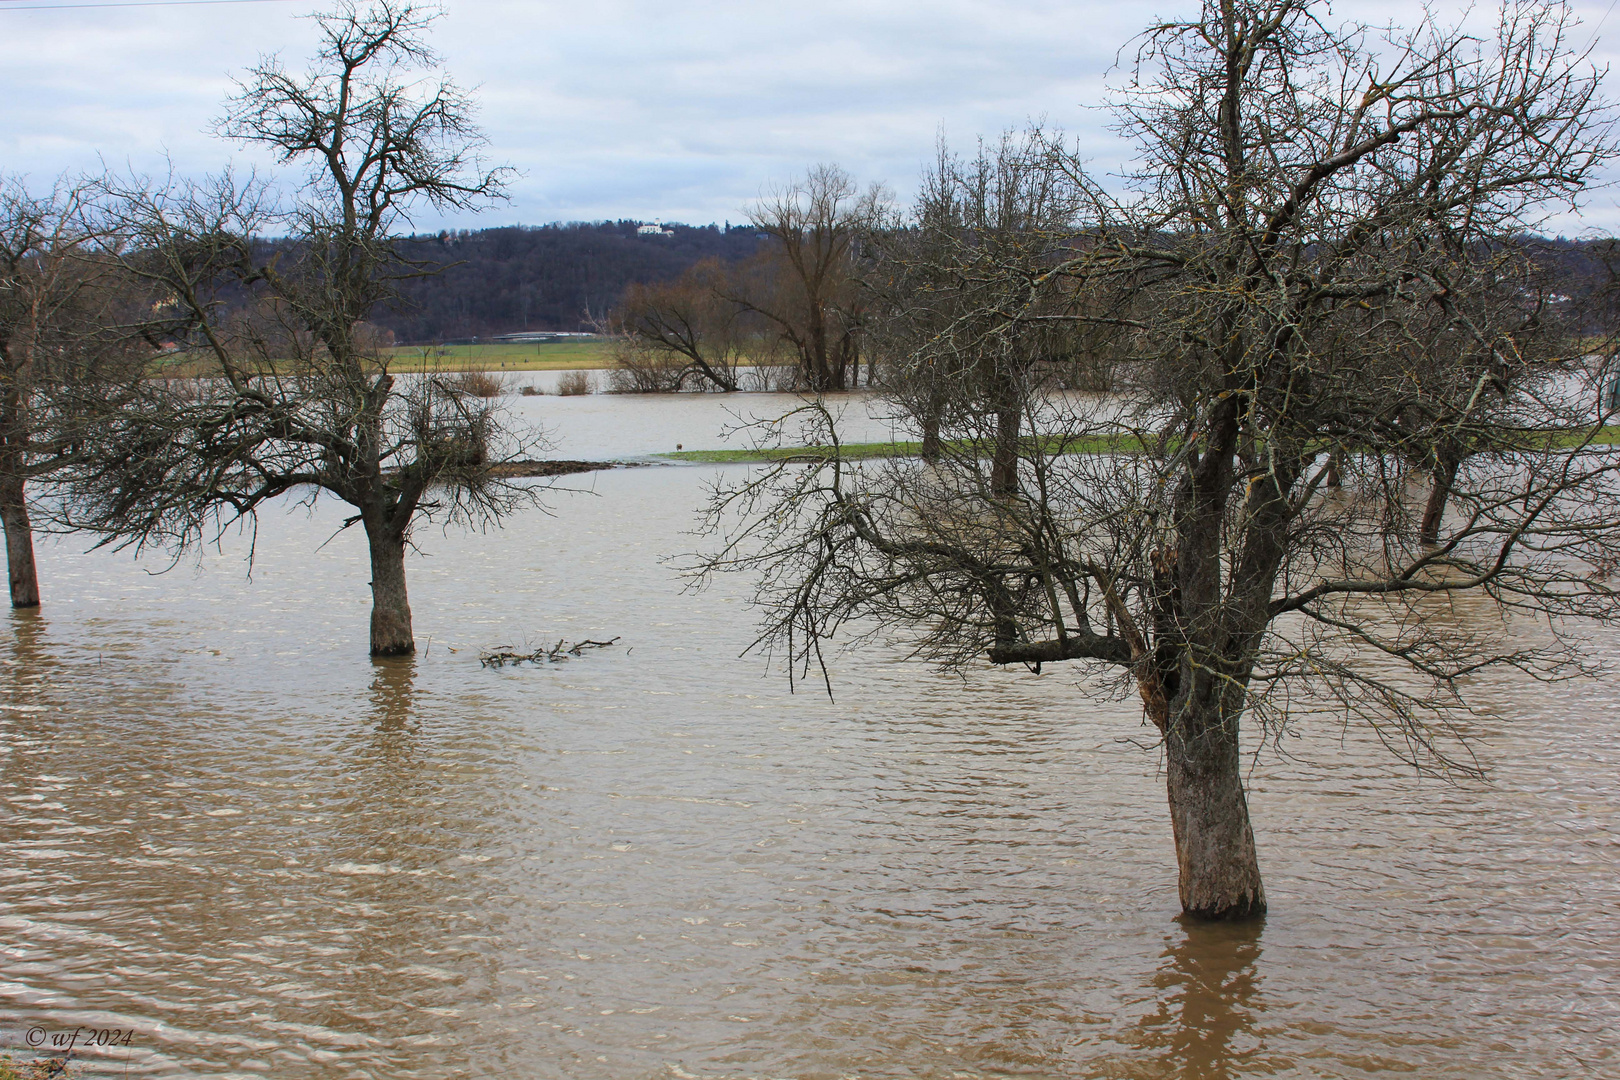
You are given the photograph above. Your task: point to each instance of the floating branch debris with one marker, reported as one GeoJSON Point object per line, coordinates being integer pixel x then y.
{"type": "Point", "coordinates": [505, 654]}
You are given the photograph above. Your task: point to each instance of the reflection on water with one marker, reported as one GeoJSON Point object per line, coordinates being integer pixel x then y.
{"type": "Point", "coordinates": [26, 626]}
{"type": "Point", "coordinates": [1204, 1026]}
{"type": "Point", "coordinates": [228, 830]}
{"type": "Point", "coordinates": [393, 683]}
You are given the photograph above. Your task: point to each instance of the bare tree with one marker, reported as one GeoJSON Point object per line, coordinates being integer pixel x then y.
{"type": "Point", "coordinates": [985, 236]}
{"type": "Point", "coordinates": [804, 285]}
{"type": "Point", "coordinates": [1319, 266]}
{"type": "Point", "coordinates": [686, 330]}
{"type": "Point", "coordinates": [292, 396]}
{"type": "Point", "coordinates": [798, 295]}
{"type": "Point", "coordinates": [58, 295]}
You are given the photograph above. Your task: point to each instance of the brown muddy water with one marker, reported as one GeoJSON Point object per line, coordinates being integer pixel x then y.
{"type": "Point", "coordinates": [229, 832]}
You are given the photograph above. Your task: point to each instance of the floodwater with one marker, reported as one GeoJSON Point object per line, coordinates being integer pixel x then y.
{"type": "Point", "coordinates": [614, 426]}
{"type": "Point", "coordinates": [227, 831]}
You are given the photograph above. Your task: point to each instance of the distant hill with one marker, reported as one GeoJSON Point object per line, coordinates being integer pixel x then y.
{"type": "Point", "coordinates": [559, 277]}
{"type": "Point", "coordinates": [550, 277]}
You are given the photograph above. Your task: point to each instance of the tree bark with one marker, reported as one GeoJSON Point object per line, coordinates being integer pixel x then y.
{"type": "Point", "coordinates": [19, 544]}
{"type": "Point", "coordinates": [390, 608]}
{"type": "Point", "coordinates": [1434, 512]}
{"type": "Point", "coordinates": [818, 370]}
{"type": "Point", "coordinates": [1004, 462]}
{"type": "Point", "coordinates": [1220, 873]}
{"type": "Point", "coordinates": [930, 433]}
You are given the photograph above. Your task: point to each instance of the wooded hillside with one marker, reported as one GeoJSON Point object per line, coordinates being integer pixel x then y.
{"type": "Point", "coordinates": [551, 277]}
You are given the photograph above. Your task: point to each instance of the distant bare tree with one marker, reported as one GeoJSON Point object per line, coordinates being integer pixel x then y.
{"type": "Point", "coordinates": [985, 235]}
{"type": "Point", "coordinates": [803, 285]}
{"type": "Point", "coordinates": [798, 295]}
{"type": "Point", "coordinates": [296, 393]}
{"type": "Point", "coordinates": [1319, 266]}
{"type": "Point", "coordinates": [685, 331]}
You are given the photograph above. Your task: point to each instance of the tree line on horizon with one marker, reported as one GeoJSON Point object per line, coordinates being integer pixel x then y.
{"type": "Point", "coordinates": [815, 300]}
{"type": "Point", "coordinates": [596, 276]}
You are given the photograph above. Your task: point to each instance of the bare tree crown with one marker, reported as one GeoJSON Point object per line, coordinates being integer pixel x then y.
{"type": "Point", "coordinates": [1346, 397]}
{"type": "Point", "coordinates": [371, 138]}
{"type": "Point", "coordinates": [267, 297]}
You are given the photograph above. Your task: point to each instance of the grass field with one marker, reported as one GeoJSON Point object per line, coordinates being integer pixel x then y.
{"type": "Point", "coordinates": [549, 357]}
{"type": "Point", "coordinates": [862, 451]}
{"type": "Point", "coordinates": [407, 360]}
{"type": "Point", "coordinates": [850, 452]}
{"type": "Point", "coordinates": [1607, 436]}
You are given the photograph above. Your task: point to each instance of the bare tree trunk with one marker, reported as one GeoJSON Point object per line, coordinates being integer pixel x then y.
{"type": "Point", "coordinates": [1434, 512]}
{"type": "Point", "coordinates": [1220, 873]}
{"type": "Point", "coordinates": [390, 608]}
{"type": "Point", "coordinates": [817, 369]}
{"type": "Point", "coordinates": [19, 544]}
{"type": "Point", "coordinates": [930, 432]}
{"type": "Point", "coordinates": [1004, 462]}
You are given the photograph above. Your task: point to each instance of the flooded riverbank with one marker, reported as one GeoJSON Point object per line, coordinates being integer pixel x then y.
{"type": "Point", "coordinates": [228, 831]}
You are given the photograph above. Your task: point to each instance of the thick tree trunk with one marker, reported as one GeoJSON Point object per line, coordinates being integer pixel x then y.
{"type": "Point", "coordinates": [1220, 873]}
{"type": "Point", "coordinates": [390, 608]}
{"type": "Point", "coordinates": [817, 376]}
{"type": "Point", "coordinates": [818, 368]}
{"type": "Point", "coordinates": [930, 432]}
{"type": "Point", "coordinates": [1004, 462]}
{"type": "Point", "coordinates": [19, 544]}
{"type": "Point", "coordinates": [1434, 512]}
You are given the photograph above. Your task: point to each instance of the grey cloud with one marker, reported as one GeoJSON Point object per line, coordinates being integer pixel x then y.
{"type": "Point", "coordinates": [625, 108]}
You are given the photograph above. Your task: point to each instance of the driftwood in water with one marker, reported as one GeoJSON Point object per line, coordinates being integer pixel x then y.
{"type": "Point", "coordinates": [504, 655]}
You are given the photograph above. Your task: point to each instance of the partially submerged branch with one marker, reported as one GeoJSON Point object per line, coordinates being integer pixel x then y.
{"type": "Point", "coordinates": [558, 653]}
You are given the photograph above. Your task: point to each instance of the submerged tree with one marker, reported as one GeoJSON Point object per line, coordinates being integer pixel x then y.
{"type": "Point", "coordinates": [797, 296]}
{"type": "Point", "coordinates": [59, 298]}
{"type": "Point", "coordinates": [1319, 273]}
{"type": "Point", "coordinates": [802, 284]}
{"type": "Point", "coordinates": [285, 388]}
{"type": "Point", "coordinates": [984, 233]}
{"type": "Point", "coordinates": [681, 332]}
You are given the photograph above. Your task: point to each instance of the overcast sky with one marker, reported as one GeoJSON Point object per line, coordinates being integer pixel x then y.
{"type": "Point", "coordinates": [645, 109]}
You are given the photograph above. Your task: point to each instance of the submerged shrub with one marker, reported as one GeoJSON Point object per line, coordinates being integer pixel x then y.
{"type": "Point", "coordinates": [476, 384]}
{"type": "Point", "coordinates": [574, 383]}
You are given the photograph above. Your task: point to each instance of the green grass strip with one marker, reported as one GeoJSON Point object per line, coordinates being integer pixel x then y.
{"type": "Point", "coordinates": [864, 451]}
{"type": "Point", "coordinates": [849, 451]}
